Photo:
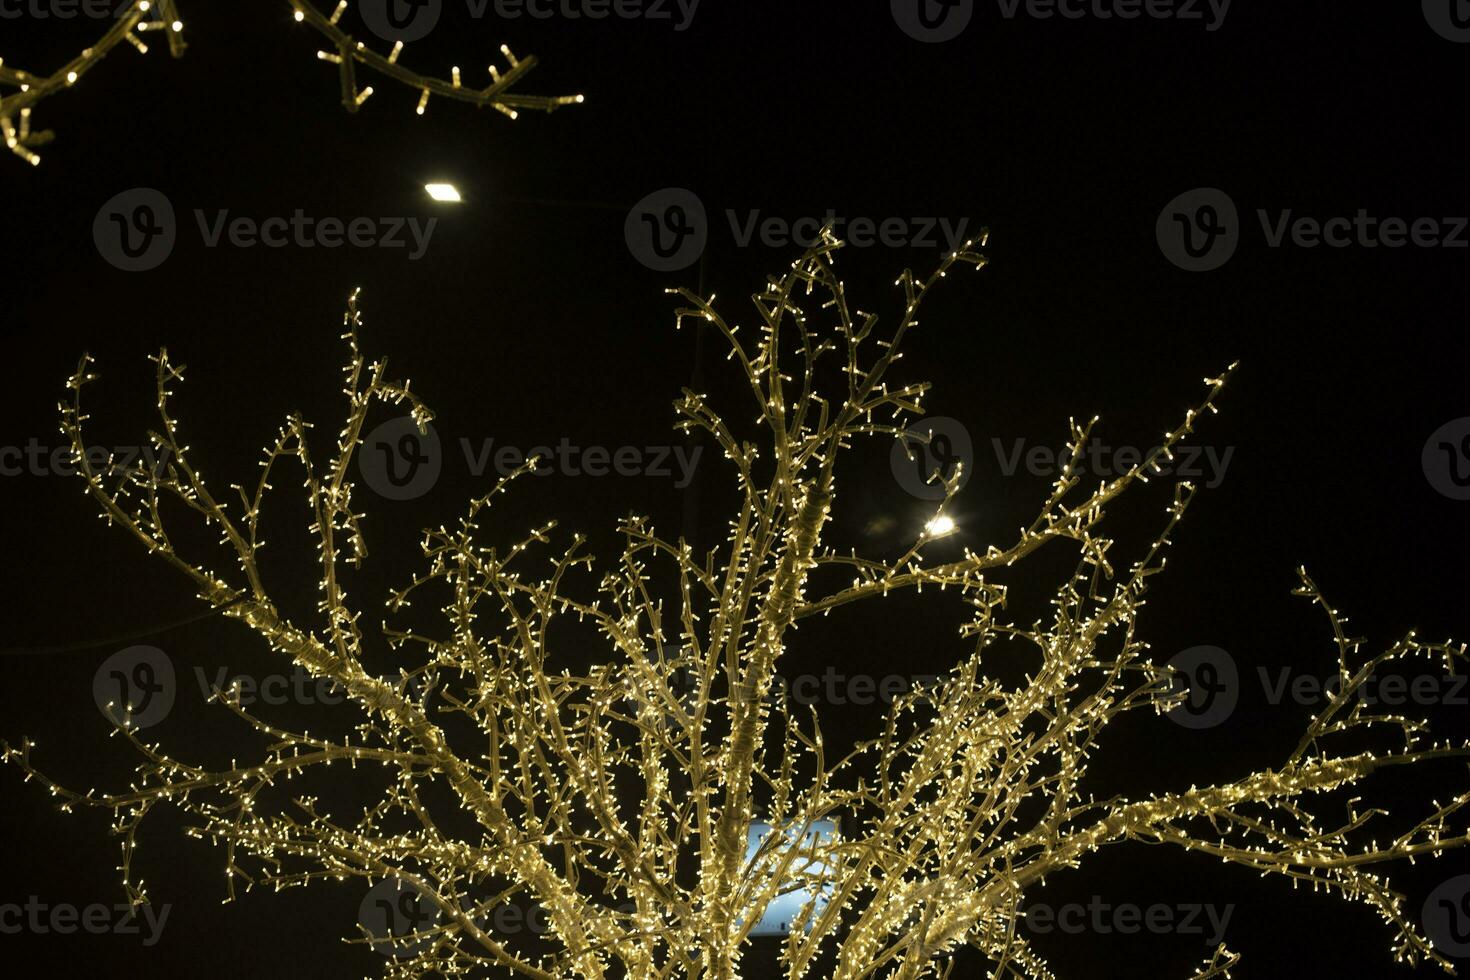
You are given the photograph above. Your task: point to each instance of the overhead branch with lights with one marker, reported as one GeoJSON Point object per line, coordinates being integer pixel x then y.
{"type": "Point", "coordinates": [141, 17]}
{"type": "Point", "coordinates": [131, 26]}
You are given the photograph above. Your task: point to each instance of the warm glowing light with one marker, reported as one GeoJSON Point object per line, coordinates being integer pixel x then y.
{"type": "Point", "coordinates": [939, 526]}
{"type": "Point", "coordinates": [972, 790]}
{"type": "Point", "coordinates": [444, 192]}
{"type": "Point", "coordinates": [137, 18]}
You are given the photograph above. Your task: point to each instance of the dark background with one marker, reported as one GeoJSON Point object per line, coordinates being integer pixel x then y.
{"type": "Point", "coordinates": [528, 320]}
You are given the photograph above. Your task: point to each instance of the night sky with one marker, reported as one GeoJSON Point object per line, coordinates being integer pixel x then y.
{"type": "Point", "coordinates": [529, 319]}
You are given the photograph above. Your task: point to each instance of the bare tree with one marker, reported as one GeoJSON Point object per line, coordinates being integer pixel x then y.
{"type": "Point", "coordinates": [138, 18]}
{"type": "Point", "coordinates": [619, 799]}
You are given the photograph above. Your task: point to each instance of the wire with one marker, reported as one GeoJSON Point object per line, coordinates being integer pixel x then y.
{"type": "Point", "coordinates": [123, 638]}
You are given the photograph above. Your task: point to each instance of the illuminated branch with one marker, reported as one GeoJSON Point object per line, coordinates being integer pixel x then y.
{"type": "Point", "coordinates": [144, 16]}
{"type": "Point", "coordinates": [131, 25]}
{"type": "Point", "coordinates": [348, 51]}
{"type": "Point", "coordinates": [621, 796]}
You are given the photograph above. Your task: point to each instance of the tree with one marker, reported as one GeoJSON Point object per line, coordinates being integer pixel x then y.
{"type": "Point", "coordinates": [620, 799]}
{"type": "Point", "coordinates": [138, 18]}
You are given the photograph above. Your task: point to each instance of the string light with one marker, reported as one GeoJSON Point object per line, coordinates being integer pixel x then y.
{"type": "Point", "coordinates": [620, 797]}
{"type": "Point", "coordinates": [140, 17]}
{"type": "Point", "coordinates": [940, 525]}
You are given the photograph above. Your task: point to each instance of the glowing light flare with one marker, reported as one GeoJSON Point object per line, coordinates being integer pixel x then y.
{"type": "Point", "coordinates": [939, 525]}
{"type": "Point", "coordinates": [444, 192]}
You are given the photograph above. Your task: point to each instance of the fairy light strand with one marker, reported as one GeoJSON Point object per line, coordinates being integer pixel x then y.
{"type": "Point", "coordinates": [141, 18]}
{"type": "Point", "coordinates": [620, 797]}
